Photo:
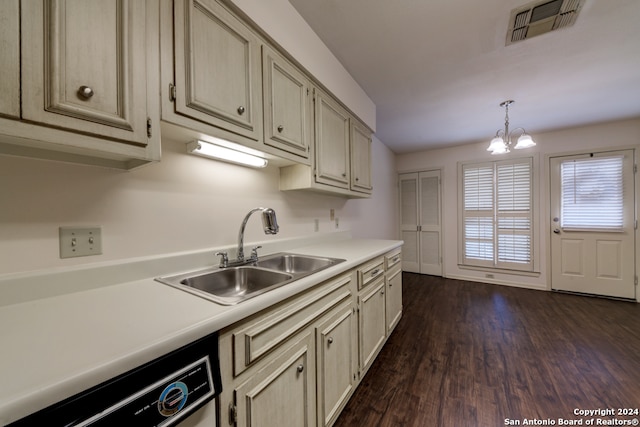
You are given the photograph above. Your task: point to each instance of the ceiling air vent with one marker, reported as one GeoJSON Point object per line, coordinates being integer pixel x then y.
{"type": "Point", "coordinates": [538, 18]}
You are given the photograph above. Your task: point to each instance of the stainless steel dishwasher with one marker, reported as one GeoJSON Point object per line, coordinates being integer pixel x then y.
{"type": "Point", "coordinates": [177, 389]}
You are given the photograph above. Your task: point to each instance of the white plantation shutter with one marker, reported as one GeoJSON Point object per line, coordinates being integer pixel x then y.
{"type": "Point", "coordinates": [478, 214]}
{"type": "Point", "coordinates": [592, 194]}
{"type": "Point", "coordinates": [513, 214]}
{"type": "Point", "coordinates": [497, 214]}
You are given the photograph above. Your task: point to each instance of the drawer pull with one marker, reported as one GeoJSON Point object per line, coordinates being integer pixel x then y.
{"type": "Point", "coordinates": [375, 272]}
{"type": "Point", "coordinates": [85, 92]}
{"type": "Point", "coordinates": [395, 259]}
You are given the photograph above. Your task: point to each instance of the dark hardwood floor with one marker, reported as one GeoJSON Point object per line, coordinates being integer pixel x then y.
{"type": "Point", "coordinates": [473, 354]}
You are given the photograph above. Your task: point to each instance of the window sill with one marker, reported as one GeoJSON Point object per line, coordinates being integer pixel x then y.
{"type": "Point", "coordinates": [500, 270]}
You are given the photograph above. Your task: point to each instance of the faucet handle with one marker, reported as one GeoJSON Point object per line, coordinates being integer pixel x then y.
{"type": "Point", "coordinates": [254, 253]}
{"type": "Point", "coordinates": [224, 261]}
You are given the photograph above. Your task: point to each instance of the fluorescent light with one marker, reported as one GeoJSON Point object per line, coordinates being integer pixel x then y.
{"type": "Point", "coordinates": [207, 149]}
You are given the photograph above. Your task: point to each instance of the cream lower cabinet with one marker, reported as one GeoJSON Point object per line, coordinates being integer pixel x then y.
{"type": "Point", "coordinates": [298, 363]}
{"type": "Point", "coordinates": [283, 392]}
{"type": "Point", "coordinates": [268, 361]}
{"type": "Point", "coordinates": [372, 323]}
{"type": "Point", "coordinates": [337, 358]}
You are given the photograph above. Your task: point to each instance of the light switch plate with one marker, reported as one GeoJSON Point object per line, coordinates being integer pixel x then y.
{"type": "Point", "coordinates": [80, 241]}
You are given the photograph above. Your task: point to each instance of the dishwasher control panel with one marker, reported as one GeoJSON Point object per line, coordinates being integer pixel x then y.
{"type": "Point", "coordinates": [161, 393]}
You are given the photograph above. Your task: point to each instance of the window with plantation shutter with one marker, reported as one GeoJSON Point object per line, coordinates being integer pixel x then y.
{"type": "Point", "coordinates": [497, 214]}
{"type": "Point", "coordinates": [592, 194]}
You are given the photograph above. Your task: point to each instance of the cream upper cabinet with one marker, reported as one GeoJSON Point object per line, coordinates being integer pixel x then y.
{"type": "Point", "coordinates": [217, 68]}
{"type": "Point", "coordinates": [84, 67]}
{"type": "Point", "coordinates": [287, 105]}
{"type": "Point", "coordinates": [332, 142]}
{"type": "Point", "coordinates": [360, 158]}
{"type": "Point", "coordinates": [10, 58]}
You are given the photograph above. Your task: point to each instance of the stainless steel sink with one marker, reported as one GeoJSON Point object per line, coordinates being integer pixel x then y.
{"type": "Point", "coordinates": [229, 286]}
{"type": "Point", "coordinates": [296, 264]}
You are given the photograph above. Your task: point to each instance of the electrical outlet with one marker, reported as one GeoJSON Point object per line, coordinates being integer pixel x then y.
{"type": "Point", "coordinates": [80, 241]}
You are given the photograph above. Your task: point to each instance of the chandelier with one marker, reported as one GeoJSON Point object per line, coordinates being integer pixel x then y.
{"type": "Point", "coordinates": [502, 143]}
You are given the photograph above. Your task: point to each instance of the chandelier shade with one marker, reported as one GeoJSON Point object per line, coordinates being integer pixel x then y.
{"type": "Point", "coordinates": [502, 142]}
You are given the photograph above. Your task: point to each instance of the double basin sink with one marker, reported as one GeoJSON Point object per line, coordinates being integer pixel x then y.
{"type": "Point", "coordinates": [231, 285]}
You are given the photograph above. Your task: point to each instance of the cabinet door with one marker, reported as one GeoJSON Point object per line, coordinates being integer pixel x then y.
{"type": "Point", "coordinates": [394, 298]}
{"type": "Point", "coordinates": [332, 142]}
{"type": "Point", "coordinates": [360, 158]}
{"type": "Point", "coordinates": [373, 326]}
{"type": "Point", "coordinates": [10, 58]}
{"type": "Point", "coordinates": [287, 110]}
{"type": "Point", "coordinates": [217, 68]}
{"type": "Point", "coordinates": [283, 392]}
{"type": "Point", "coordinates": [337, 362]}
{"type": "Point", "coordinates": [84, 68]}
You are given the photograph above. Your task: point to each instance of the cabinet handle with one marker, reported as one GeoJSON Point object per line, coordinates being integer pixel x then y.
{"type": "Point", "coordinates": [330, 340]}
{"type": "Point", "coordinates": [85, 92]}
{"type": "Point", "coordinates": [241, 110]}
{"type": "Point", "coordinates": [300, 368]}
{"type": "Point", "coordinates": [280, 128]}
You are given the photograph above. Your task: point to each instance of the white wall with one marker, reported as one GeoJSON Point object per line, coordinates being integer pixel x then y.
{"type": "Point", "coordinates": [287, 28]}
{"type": "Point", "coordinates": [615, 134]}
{"type": "Point", "coordinates": [186, 202]}
{"type": "Point", "coordinates": [183, 203]}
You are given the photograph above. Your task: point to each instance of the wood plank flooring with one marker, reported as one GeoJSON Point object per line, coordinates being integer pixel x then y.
{"type": "Point", "coordinates": [473, 354]}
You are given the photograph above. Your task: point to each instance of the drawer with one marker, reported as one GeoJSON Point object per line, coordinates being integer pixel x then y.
{"type": "Point", "coordinates": [393, 258]}
{"type": "Point", "coordinates": [367, 273]}
{"type": "Point", "coordinates": [270, 329]}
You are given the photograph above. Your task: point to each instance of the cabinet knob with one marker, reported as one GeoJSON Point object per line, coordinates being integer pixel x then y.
{"type": "Point", "coordinates": [357, 179]}
{"type": "Point", "coordinates": [381, 292]}
{"type": "Point", "coordinates": [344, 175]}
{"type": "Point", "coordinates": [280, 128]}
{"type": "Point", "coordinates": [85, 92]}
{"type": "Point", "coordinates": [241, 110]}
{"type": "Point", "coordinates": [300, 368]}
{"type": "Point", "coordinates": [330, 340]}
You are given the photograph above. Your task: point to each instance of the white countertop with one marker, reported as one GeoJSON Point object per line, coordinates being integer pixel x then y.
{"type": "Point", "coordinates": [63, 343]}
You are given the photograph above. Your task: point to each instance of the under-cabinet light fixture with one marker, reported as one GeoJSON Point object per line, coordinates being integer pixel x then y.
{"type": "Point", "coordinates": [218, 152]}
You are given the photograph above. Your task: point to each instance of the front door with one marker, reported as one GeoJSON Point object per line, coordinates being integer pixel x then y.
{"type": "Point", "coordinates": [593, 223]}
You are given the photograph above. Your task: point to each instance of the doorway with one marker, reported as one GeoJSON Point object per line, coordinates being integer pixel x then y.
{"type": "Point", "coordinates": [421, 219]}
{"type": "Point", "coordinates": [592, 233]}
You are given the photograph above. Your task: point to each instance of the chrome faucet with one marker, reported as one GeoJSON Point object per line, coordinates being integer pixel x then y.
{"type": "Point", "coordinates": [270, 226]}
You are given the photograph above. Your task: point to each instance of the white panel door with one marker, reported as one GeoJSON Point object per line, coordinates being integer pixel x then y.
{"type": "Point", "coordinates": [430, 228]}
{"type": "Point", "coordinates": [409, 222]}
{"type": "Point", "coordinates": [592, 224]}
{"type": "Point", "coordinates": [420, 227]}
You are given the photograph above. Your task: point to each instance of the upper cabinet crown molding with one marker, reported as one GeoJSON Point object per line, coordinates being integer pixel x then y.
{"type": "Point", "coordinates": [87, 87]}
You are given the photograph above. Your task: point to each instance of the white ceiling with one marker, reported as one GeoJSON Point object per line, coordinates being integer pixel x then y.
{"type": "Point", "coordinates": [437, 70]}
